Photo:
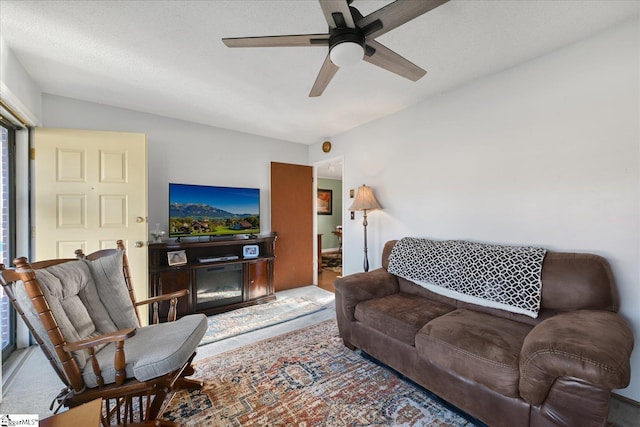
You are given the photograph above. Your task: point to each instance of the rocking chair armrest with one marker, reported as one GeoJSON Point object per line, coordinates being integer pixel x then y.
{"type": "Point", "coordinates": [173, 302]}
{"type": "Point", "coordinates": [164, 297]}
{"type": "Point", "coordinates": [119, 360]}
{"type": "Point", "coordinates": [120, 335]}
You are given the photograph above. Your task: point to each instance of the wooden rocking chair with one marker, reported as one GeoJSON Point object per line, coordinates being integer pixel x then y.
{"type": "Point", "coordinates": [83, 314]}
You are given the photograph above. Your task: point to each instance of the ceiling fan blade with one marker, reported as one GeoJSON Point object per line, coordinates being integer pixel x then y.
{"type": "Point", "coordinates": [279, 41]}
{"type": "Point", "coordinates": [385, 58]}
{"type": "Point", "coordinates": [331, 7]}
{"type": "Point", "coordinates": [395, 14]}
{"type": "Point", "coordinates": [327, 72]}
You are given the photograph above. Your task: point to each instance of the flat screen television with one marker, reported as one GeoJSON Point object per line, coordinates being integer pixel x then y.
{"type": "Point", "coordinates": [203, 210]}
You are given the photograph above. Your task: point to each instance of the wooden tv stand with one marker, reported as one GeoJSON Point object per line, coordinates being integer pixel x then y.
{"type": "Point", "coordinates": [214, 286]}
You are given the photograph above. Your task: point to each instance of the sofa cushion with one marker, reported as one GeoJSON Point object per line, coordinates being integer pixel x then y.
{"type": "Point", "coordinates": [399, 315]}
{"type": "Point", "coordinates": [476, 345]}
{"type": "Point", "coordinates": [574, 281]}
{"type": "Point", "coordinates": [154, 350]}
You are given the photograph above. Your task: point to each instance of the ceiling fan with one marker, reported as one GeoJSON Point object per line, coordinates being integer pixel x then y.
{"type": "Point", "coordinates": [351, 38]}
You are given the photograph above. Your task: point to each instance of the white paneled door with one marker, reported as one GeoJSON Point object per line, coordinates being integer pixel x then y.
{"type": "Point", "coordinates": [91, 190]}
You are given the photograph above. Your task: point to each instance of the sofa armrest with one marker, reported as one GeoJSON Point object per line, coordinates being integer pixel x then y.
{"type": "Point", "coordinates": [359, 287]}
{"type": "Point", "coordinates": [591, 345]}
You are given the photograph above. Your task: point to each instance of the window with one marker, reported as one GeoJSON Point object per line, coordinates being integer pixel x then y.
{"type": "Point", "coordinates": [7, 244]}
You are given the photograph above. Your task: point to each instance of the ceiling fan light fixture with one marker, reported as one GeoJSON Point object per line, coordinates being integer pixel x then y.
{"type": "Point", "coordinates": [346, 46]}
{"type": "Point", "coordinates": [346, 53]}
{"type": "Point", "coordinates": [351, 38]}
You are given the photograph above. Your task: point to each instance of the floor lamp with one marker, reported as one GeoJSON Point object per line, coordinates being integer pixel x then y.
{"type": "Point", "coordinates": [365, 201]}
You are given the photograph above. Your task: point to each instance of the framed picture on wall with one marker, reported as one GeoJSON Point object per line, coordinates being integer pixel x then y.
{"type": "Point", "coordinates": [325, 202]}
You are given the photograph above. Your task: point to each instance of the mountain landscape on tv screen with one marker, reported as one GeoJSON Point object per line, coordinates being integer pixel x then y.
{"type": "Point", "coordinates": [203, 219]}
{"type": "Point", "coordinates": [201, 210]}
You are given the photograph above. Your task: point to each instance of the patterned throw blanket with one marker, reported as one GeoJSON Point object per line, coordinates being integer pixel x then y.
{"type": "Point", "coordinates": [504, 277]}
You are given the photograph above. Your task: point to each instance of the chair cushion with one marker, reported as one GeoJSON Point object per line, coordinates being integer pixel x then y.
{"type": "Point", "coordinates": [154, 350]}
{"type": "Point", "coordinates": [476, 345]}
{"type": "Point", "coordinates": [399, 315]}
{"type": "Point", "coordinates": [24, 302]}
{"type": "Point", "coordinates": [72, 297]}
{"type": "Point", "coordinates": [107, 271]}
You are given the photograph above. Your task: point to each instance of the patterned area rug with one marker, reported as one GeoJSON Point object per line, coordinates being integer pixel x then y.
{"type": "Point", "coordinates": [331, 259]}
{"type": "Point", "coordinates": [304, 378]}
{"type": "Point", "coordinates": [256, 317]}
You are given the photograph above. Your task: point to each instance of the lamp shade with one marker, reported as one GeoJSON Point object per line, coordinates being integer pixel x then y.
{"type": "Point", "coordinates": [346, 53]}
{"type": "Point", "coordinates": [365, 200]}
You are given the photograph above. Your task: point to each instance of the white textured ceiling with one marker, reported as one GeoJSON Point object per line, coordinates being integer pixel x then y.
{"type": "Point", "coordinates": [167, 58]}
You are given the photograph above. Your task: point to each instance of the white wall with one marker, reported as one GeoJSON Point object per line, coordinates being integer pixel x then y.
{"type": "Point", "coordinates": [545, 154]}
{"type": "Point", "coordinates": [183, 152]}
{"type": "Point", "coordinates": [17, 88]}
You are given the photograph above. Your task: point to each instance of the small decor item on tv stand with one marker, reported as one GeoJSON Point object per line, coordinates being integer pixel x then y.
{"type": "Point", "coordinates": [157, 234]}
{"type": "Point", "coordinates": [176, 258]}
{"type": "Point", "coordinates": [250, 251]}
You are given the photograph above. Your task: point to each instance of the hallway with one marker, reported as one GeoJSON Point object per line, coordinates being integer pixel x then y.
{"type": "Point", "coordinates": [326, 277]}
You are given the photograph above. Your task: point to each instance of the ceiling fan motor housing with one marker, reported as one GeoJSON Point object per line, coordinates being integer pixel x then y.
{"type": "Point", "coordinates": [349, 35]}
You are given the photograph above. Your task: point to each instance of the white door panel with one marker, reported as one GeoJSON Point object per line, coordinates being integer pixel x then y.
{"type": "Point", "coordinates": [90, 191]}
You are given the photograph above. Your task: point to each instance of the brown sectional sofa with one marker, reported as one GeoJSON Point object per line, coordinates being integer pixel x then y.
{"type": "Point", "coordinates": [502, 368]}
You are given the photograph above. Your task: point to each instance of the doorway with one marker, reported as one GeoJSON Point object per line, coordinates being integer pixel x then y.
{"type": "Point", "coordinates": [330, 217]}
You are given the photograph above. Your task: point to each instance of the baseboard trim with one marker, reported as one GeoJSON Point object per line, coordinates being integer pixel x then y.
{"type": "Point", "coordinates": [626, 400]}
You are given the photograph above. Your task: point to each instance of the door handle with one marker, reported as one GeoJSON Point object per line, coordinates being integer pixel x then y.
{"type": "Point", "coordinates": [138, 244]}
{"type": "Point", "coordinates": [139, 219]}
